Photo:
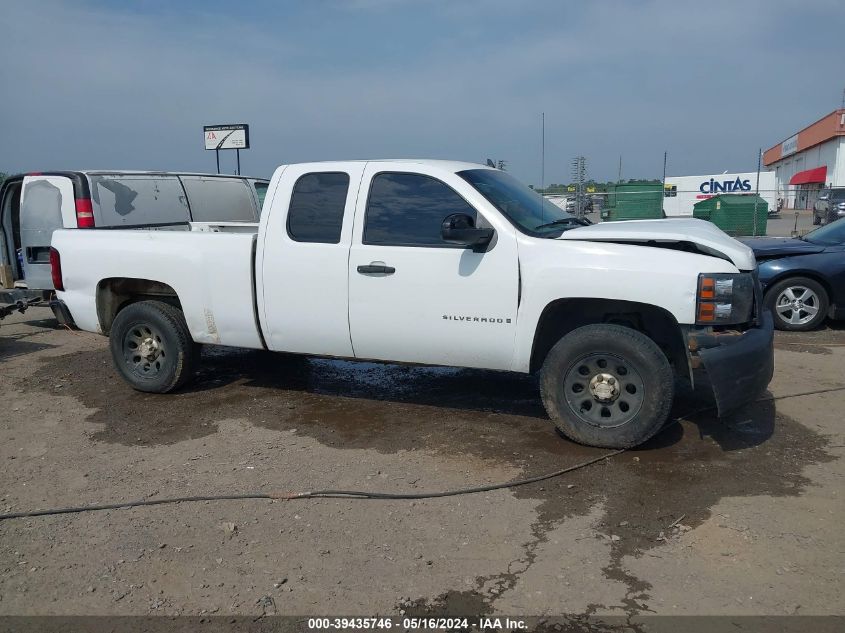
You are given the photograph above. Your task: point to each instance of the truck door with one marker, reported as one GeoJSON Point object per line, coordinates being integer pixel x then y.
{"type": "Point", "coordinates": [47, 204]}
{"type": "Point", "coordinates": [415, 298]}
{"type": "Point", "coordinates": [302, 263]}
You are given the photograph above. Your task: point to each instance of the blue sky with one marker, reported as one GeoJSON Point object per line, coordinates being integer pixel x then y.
{"type": "Point", "coordinates": [129, 85]}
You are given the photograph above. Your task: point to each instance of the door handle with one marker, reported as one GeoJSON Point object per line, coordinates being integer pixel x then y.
{"type": "Point", "coordinates": [376, 269]}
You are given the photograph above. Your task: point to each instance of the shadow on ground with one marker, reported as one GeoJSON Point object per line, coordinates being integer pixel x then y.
{"type": "Point", "coordinates": [15, 345]}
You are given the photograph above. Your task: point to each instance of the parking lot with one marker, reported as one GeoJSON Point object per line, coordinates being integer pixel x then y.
{"type": "Point", "coordinates": [743, 513]}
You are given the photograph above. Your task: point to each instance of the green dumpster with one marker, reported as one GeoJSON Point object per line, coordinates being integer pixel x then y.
{"type": "Point", "coordinates": [635, 201]}
{"type": "Point", "coordinates": [734, 213]}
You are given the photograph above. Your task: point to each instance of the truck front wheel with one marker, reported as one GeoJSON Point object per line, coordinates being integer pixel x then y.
{"type": "Point", "coordinates": [152, 348]}
{"type": "Point", "coordinates": [607, 385]}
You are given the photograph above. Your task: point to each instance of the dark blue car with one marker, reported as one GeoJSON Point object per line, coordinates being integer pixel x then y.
{"type": "Point", "coordinates": [803, 277]}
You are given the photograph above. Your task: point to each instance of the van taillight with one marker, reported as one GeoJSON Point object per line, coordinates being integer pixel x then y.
{"type": "Point", "coordinates": [56, 269]}
{"type": "Point", "coordinates": [84, 213]}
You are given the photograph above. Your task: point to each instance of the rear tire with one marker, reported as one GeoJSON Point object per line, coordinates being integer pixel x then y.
{"type": "Point", "coordinates": [798, 304]}
{"type": "Point", "coordinates": [607, 385]}
{"type": "Point", "coordinates": [152, 348]}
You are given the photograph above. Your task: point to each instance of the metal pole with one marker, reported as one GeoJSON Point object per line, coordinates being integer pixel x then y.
{"type": "Point", "coordinates": [663, 187]}
{"type": "Point", "coordinates": [217, 156]}
{"type": "Point", "coordinates": [757, 192]}
{"type": "Point", "coordinates": [543, 164]}
{"type": "Point", "coordinates": [238, 152]}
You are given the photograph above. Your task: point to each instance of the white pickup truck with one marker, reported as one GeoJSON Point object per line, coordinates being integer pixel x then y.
{"type": "Point", "coordinates": [440, 263]}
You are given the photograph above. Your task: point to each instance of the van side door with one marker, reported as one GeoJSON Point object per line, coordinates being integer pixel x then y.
{"type": "Point", "coordinates": [47, 204]}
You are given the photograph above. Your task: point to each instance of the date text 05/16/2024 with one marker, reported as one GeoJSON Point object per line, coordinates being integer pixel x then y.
{"type": "Point", "coordinates": [418, 623]}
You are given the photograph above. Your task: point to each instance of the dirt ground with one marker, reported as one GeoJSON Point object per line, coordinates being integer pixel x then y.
{"type": "Point", "coordinates": [739, 516]}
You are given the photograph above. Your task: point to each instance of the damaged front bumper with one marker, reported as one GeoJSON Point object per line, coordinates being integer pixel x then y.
{"type": "Point", "coordinates": [739, 365]}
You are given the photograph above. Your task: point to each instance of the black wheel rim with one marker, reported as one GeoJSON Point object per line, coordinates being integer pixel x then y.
{"type": "Point", "coordinates": [604, 390]}
{"type": "Point", "coordinates": [144, 350]}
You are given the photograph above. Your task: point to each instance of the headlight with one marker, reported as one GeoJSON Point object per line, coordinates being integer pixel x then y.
{"type": "Point", "coordinates": [724, 298]}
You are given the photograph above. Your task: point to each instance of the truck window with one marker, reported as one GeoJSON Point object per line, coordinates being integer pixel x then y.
{"type": "Point", "coordinates": [219, 199]}
{"type": "Point", "coordinates": [316, 207]}
{"type": "Point", "coordinates": [138, 200]}
{"type": "Point", "coordinates": [409, 209]}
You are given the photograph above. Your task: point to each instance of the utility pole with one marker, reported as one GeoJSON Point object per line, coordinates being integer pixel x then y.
{"type": "Point", "coordinates": [757, 192]}
{"type": "Point", "coordinates": [543, 165]}
{"type": "Point", "coordinates": [579, 175]}
{"type": "Point", "coordinates": [543, 151]}
{"type": "Point", "coordinates": [619, 177]}
{"type": "Point", "coordinates": [663, 186]}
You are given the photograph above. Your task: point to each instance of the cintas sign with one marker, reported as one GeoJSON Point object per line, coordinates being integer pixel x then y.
{"type": "Point", "coordinates": [715, 186]}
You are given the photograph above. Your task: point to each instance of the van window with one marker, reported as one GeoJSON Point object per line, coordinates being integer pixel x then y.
{"type": "Point", "coordinates": [220, 199]}
{"type": "Point", "coordinates": [138, 200]}
{"type": "Point", "coordinates": [261, 192]}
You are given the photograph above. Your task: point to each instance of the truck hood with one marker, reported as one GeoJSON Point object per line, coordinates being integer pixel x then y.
{"type": "Point", "coordinates": [684, 234]}
{"type": "Point", "coordinates": [770, 247]}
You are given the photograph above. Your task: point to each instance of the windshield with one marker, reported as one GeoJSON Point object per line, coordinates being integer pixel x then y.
{"type": "Point", "coordinates": [524, 207]}
{"type": "Point", "coordinates": [831, 234]}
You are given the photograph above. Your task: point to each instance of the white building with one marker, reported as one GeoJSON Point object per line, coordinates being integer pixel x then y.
{"type": "Point", "coordinates": [809, 160]}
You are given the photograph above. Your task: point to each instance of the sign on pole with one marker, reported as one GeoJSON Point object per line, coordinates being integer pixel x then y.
{"type": "Point", "coordinates": [226, 136]}
{"type": "Point", "coordinates": [235, 136]}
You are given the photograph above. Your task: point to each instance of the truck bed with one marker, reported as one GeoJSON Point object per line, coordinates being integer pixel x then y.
{"type": "Point", "coordinates": [211, 272]}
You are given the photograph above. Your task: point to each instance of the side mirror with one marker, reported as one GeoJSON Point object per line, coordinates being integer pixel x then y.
{"type": "Point", "coordinates": [460, 228]}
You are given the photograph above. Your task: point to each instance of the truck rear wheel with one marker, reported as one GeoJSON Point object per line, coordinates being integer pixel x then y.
{"type": "Point", "coordinates": [607, 385]}
{"type": "Point", "coordinates": [152, 348]}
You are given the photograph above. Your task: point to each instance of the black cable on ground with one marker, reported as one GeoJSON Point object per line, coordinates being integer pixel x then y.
{"type": "Point", "coordinates": [356, 494]}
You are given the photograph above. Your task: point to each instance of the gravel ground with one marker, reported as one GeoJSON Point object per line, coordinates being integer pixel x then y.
{"type": "Point", "coordinates": [735, 516]}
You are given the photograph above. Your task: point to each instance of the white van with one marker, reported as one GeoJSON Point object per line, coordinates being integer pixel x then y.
{"type": "Point", "coordinates": [34, 205]}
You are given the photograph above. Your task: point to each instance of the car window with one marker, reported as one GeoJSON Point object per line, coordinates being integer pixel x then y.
{"type": "Point", "coordinates": [409, 209]}
{"type": "Point", "coordinates": [261, 193]}
{"type": "Point", "coordinates": [832, 234]}
{"type": "Point", "coordinates": [316, 207]}
{"type": "Point", "coordinates": [219, 199]}
{"type": "Point", "coordinates": [137, 200]}
{"type": "Point", "coordinates": [837, 194]}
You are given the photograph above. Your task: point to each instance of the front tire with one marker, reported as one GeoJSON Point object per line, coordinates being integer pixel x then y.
{"type": "Point", "coordinates": [798, 304]}
{"type": "Point", "coordinates": [152, 348]}
{"type": "Point", "coordinates": [607, 385]}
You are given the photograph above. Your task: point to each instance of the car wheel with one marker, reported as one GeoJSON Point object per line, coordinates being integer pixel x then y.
{"type": "Point", "coordinates": [152, 348]}
{"type": "Point", "coordinates": [798, 304]}
{"type": "Point", "coordinates": [607, 385]}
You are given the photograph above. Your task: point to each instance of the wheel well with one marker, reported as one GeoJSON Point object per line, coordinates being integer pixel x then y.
{"type": "Point", "coordinates": [561, 317]}
{"type": "Point", "coordinates": [114, 294]}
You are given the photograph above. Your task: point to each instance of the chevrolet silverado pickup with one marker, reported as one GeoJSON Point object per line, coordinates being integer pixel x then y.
{"type": "Point", "coordinates": [438, 263]}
